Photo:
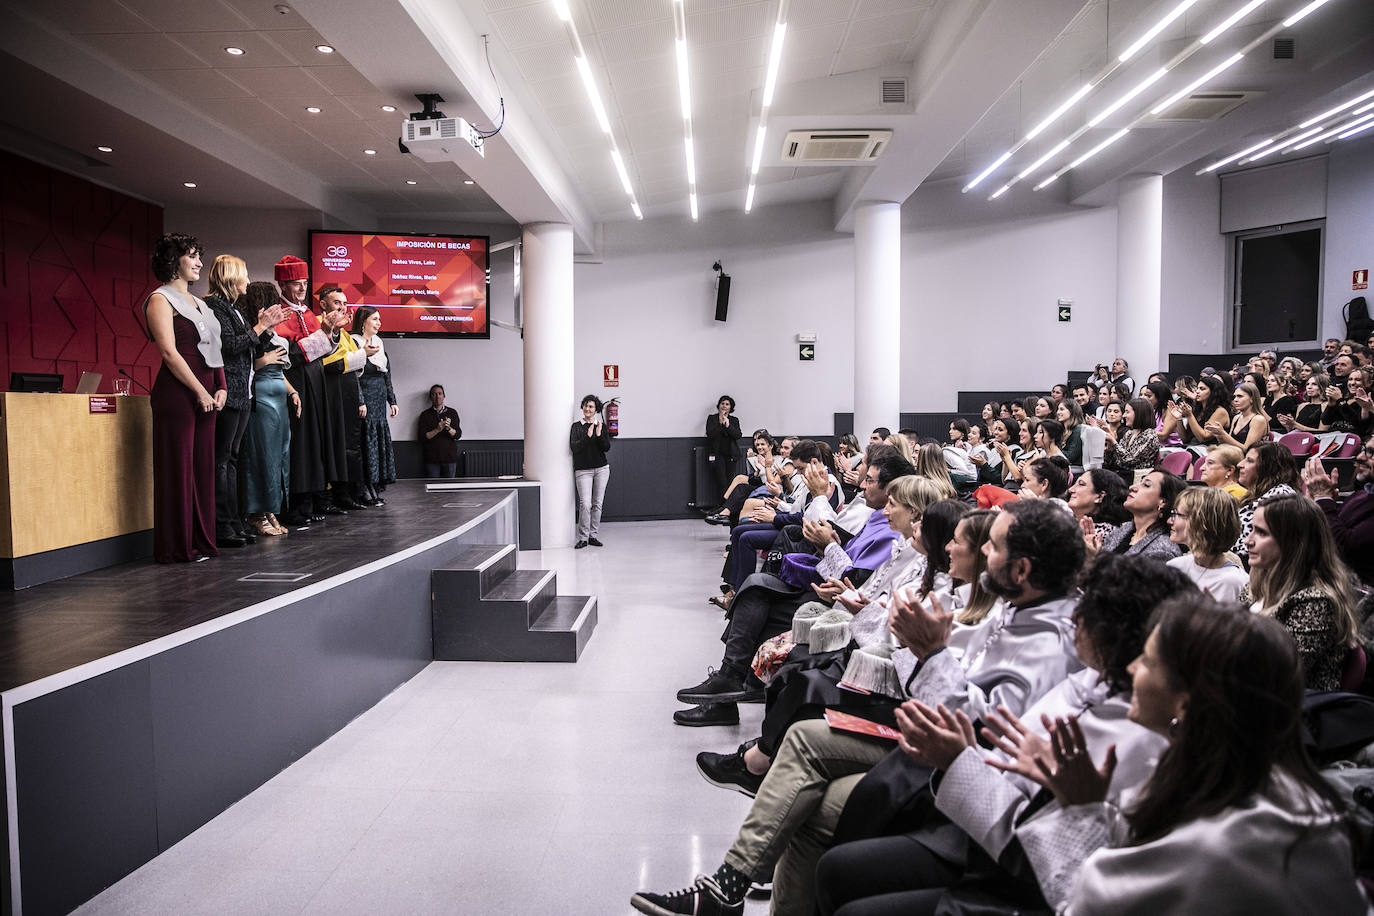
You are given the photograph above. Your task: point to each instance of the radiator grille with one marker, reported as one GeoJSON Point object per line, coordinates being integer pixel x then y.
{"type": "Point", "coordinates": [493, 462]}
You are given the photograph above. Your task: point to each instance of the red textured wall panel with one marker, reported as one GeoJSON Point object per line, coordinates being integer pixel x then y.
{"type": "Point", "coordinates": [73, 275]}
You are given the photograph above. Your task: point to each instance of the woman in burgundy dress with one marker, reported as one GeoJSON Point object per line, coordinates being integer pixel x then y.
{"type": "Point", "coordinates": [187, 392]}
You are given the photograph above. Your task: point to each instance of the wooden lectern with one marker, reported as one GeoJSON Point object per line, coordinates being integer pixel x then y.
{"type": "Point", "coordinates": [76, 484]}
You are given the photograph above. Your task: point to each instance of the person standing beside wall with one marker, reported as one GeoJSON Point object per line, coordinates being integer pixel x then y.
{"type": "Point", "coordinates": [440, 431]}
{"type": "Point", "coordinates": [722, 443]}
{"type": "Point", "coordinates": [590, 441]}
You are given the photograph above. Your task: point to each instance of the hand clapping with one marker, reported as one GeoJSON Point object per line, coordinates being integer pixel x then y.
{"type": "Point", "coordinates": [923, 632]}
{"type": "Point", "coordinates": [933, 737]}
{"type": "Point", "coordinates": [1062, 764]}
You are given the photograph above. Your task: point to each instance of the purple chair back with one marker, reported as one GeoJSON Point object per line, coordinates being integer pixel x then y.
{"type": "Point", "coordinates": [1299, 443]}
{"type": "Point", "coordinates": [1352, 676]}
{"type": "Point", "coordinates": [1350, 448]}
{"type": "Point", "coordinates": [1177, 463]}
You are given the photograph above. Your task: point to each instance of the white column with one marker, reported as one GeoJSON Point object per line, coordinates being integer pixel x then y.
{"type": "Point", "coordinates": [1139, 273]}
{"type": "Point", "coordinates": [546, 263]}
{"type": "Point", "coordinates": [877, 316]}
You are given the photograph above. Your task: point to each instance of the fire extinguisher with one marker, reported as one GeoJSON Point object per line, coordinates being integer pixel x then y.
{"type": "Point", "coordinates": [613, 416]}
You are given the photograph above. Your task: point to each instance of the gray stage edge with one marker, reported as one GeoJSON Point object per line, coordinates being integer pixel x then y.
{"type": "Point", "coordinates": [113, 762]}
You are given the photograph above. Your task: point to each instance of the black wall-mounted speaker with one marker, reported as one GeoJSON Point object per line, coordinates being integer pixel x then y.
{"type": "Point", "coordinates": [722, 297]}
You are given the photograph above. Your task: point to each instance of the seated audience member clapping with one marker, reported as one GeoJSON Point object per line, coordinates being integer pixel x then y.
{"type": "Point", "coordinates": [1221, 467]}
{"type": "Point", "coordinates": [896, 875]}
{"type": "Point", "coordinates": [1150, 502]}
{"type": "Point", "coordinates": [1313, 415]}
{"type": "Point", "coordinates": [983, 455]}
{"type": "Point", "coordinates": [1206, 524]}
{"type": "Point", "coordinates": [1297, 577]}
{"type": "Point", "coordinates": [1351, 521]}
{"type": "Point", "coordinates": [1069, 415]}
{"type": "Point", "coordinates": [1028, 432]}
{"type": "Point", "coordinates": [1249, 426]}
{"type": "Point", "coordinates": [765, 603]}
{"type": "Point", "coordinates": [1137, 445]}
{"type": "Point", "coordinates": [1235, 818]}
{"type": "Point", "coordinates": [1208, 411]}
{"type": "Point", "coordinates": [1046, 478]}
{"type": "Point", "coordinates": [1096, 500]}
{"type": "Point", "coordinates": [764, 467]}
{"type": "Point", "coordinates": [1267, 470]}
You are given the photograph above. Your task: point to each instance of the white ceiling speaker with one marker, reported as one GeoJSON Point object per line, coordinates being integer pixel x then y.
{"type": "Point", "coordinates": [802, 147]}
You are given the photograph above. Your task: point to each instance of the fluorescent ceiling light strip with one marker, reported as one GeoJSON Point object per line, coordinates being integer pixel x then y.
{"type": "Point", "coordinates": [691, 163]}
{"type": "Point", "coordinates": [1206, 77]}
{"type": "Point", "coordinates": [692, 198]}
{"type": "Point", "coordinates": [1234, 156]}
{"type": "Point", "coordinates": [749, 198]}
{"type": "Point", "coordinates": [1298, 139]}
{"type": "Point", "coordinates": [770, 82]}
{"type": "Point", "coordinates": [1097, 149]}
{"type": "Point", "coordinates": [1140, 87]}
{"type": "Point", "coordinates": [1049, 181]}
{"type": "Point", "coordinates": [1000, 191]}
{"type": "Point", "coordinates": [758, 150]}
{"type": "Point", "coordinates": [1155, 29]}
{"type": "Point", "coordinates": [684, 85]}
{"type": "Point", "coordinates": [634, 207]}
{"type": "Point", "coordinates": [1302, 13]}
{"type": "Point", "coordinates": [1229, 21]}
{"type": "Point", "coordinates": [1058, 148]}
{"type": "Point", "coordinates": [1363, 108]}
{"type": "Point", "coordinates": [1337, 110]}
{"type": "Point", "coordinates": [620, 169]}
{"type": "Point", "coordinates": [1358, 130]}
{"type": "Point", "coordinates": [987, 171]}
{"type": "Point", "coordinates": [561, 8]}
{"type": "Point", "coordinates": [589, 83]}
{"type": "Point", "coordinates": [1059, 112]}
{"type": "Point", "coordinates": [1282, 146]}
{"type": "Point", "coordinates": [1333, 132]}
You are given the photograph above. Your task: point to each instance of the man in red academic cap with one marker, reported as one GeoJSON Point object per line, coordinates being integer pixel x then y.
{"type": "Point", "coordinates": [307, 345]}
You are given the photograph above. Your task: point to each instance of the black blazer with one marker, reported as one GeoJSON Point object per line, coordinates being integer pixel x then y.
{"type": "Point", "coordinates": [239, 345]}
{"type": "Point", "coordinates": [722, 439]}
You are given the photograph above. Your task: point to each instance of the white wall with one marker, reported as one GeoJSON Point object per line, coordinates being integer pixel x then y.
{"type": "Point", "coordinates": [979, 305]}
{"type": "Point", "coordinates": [1193, 293]}
{"type": "Point", "coordinates": [649, 307]}
{"type": "Point", "coordinates": [1349, 227]}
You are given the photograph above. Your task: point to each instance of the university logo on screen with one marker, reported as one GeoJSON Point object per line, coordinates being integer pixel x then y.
{"type": "Point", "coordinates": [337, 258]}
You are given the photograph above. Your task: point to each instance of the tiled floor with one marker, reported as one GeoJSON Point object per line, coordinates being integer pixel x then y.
{"type": "Point", "coordinates": [496, 789]}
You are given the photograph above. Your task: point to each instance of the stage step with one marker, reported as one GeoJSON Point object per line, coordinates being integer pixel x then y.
{"type": "Point", "coordinates": [485, 609]}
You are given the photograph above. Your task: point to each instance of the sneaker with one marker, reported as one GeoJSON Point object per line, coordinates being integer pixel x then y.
{"type": "Point", "coordinates": [729, 772]}
{"type": "Point", "coordinates": [719, 687]}
{"type": "Point", "coordinates": [704, 898]}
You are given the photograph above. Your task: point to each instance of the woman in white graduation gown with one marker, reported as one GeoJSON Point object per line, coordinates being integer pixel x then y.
{"type": "Point", "coordinates": [1235, 818]}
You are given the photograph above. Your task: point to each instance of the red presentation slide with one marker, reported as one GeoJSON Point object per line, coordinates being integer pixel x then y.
{"type": "Point", "coordinates": [423, 284]}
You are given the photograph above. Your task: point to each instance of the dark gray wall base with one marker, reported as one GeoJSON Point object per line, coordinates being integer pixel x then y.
{"type": "Point", "coordinates": [100, 790]}
{"type": "Point", "coordinates": [51, 565]}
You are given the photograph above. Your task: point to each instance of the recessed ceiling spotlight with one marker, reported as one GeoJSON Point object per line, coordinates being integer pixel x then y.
{"type": "Point", "coordinates": [105, 149]}
{"type": "Point", "coordinates": [468, 181]}
{"type": "Point", "coordinates": [188, 184]}
{"type": "Point", "coordinates": [324, 49]}
{"type": "Point", "coordinates": [313, 109]}
{"type": "Point", "coordinates": [369, 152]}
{"type": "Point", "coordinates": [388, 108]}
{"type": "Point", "coordinates": [236, 52]}
{"type": "Point", "coordinates": [411, 181]}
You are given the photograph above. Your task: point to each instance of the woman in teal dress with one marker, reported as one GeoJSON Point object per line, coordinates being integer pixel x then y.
{"type": "Point", "coordinates": [267, 447]}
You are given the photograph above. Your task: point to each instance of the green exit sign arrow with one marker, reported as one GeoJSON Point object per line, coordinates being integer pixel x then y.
{"type": "Point", "coordinates": [806, 351]}
{"type": "Point", "coordinates": [1065, 312]}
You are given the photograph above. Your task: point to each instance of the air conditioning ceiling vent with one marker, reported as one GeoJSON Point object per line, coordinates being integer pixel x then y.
{"type": "Point", "coordinates": [805, 146]}
{"type": "Point", "coordinates": [1206, 106]}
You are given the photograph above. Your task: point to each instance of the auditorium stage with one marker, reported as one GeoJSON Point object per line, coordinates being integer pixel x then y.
{"type": "Point", "coordinates": [139, 701]}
